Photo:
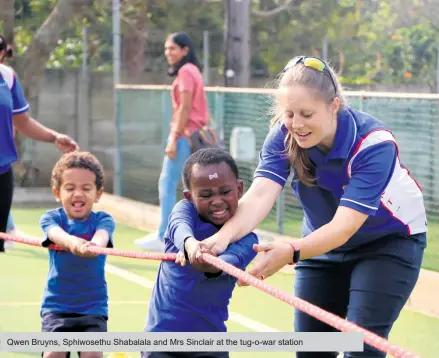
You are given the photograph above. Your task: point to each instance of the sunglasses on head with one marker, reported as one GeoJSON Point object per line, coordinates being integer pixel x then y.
{"type": "Point", "coordinates": [312, 62]}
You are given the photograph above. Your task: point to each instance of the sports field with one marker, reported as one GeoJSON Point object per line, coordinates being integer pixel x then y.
{"type": "Point", "coordinates": [130, 281]}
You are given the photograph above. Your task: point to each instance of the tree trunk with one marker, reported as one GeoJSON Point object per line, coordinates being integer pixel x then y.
{"type": "Point", "coordinates": [7, 17]}
{"type": "Point", "coordinates": [40, 48]}
{"type": "Point", "coordinates": [237, 43]}
{"type": "Point", "coordinates": [134, 42]}
{"type": "Point", "coordinates": [45, 41]}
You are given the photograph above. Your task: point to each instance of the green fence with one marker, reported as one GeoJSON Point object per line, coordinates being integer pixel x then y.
{"type": "Point", "coordinates": [143, 114]}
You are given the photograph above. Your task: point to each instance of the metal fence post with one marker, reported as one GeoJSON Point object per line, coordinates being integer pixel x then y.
{"type": "Point", "coordinates": [280, 212]}
{"type": "Point", "coordinates": [117, 167]}
{"type": "Point", "coordinates": [206, 53]}
{"type": "Point", "coordinates": [166, 112]}
{"type": "Point", "coordinates": [219, 113]}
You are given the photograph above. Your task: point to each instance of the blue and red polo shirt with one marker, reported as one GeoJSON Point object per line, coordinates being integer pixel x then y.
{"type": "Point", "coordinates": [12, 101]}
{"type": "Point", "coordinates": [362, 171]}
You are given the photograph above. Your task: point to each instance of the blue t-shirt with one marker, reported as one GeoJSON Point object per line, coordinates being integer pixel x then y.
{"type": "Point", "coordinates": [76, 284]}
{"type": "Point", "coordinates": [184, 299]}
{"type": "Point", "coordinates": [362, 171]}
{"type": "Point", "coordinates": [12, 101]}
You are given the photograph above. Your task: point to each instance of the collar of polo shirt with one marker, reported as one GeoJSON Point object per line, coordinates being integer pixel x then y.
{"type": "Point", "coordinates": [343, 143]}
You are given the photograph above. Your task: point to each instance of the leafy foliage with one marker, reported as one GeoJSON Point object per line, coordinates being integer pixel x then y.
{"type": "Point", "coordinates": [369, 41]}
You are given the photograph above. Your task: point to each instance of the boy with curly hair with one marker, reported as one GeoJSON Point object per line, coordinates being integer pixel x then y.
{"type": "Point", "coordinates": [75, 297]}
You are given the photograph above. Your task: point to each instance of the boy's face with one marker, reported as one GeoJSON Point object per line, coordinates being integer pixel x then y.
{"type": "Point", "coordinates": [78, 192]}
{"type": "Point", "coordinates": [215, 192]}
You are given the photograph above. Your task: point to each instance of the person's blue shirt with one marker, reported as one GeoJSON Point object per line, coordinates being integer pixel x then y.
{"type": "Point", "coordinates": [361, 171]}
{"type": "Point", "coordinates": [76, 284]}
{"type": "Point", "coordinates": [12, 101]}
{"type": "Point", "coordinates": [184, 299]}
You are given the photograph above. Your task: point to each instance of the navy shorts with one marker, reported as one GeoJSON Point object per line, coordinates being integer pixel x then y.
{"type": "Point", "coordinates": [185, 355]}
{"type": "Point", "coordinates": [73, 322]}
{"type": "Point", "coordinates": [369, 286]}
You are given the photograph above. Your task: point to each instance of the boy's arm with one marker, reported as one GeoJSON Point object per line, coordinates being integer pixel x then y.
{"type": "Point", "coordinates": [103, 236]}
{"type": "Point", "coordinates": [181, 224]}
{"type": "Point", "coordinates": [238, 254]}
{"type": "Point", "coordinates": [50, 223]}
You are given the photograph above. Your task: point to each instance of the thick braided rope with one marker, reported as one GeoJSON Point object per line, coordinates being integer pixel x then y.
{"type": "Point", "coordinates": [329, 318]}
{"type": "Point", "coordinates": [96, 250]}
{"type": "Point", "coordinates": [314, 311]}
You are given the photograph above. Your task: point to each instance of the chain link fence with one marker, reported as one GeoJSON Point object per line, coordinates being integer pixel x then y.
{"type": "Point", "coordinates": [143, 114]}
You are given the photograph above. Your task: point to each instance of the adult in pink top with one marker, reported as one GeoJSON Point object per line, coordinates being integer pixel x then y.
{"type": "Point", "coordinates": [188, 82]}
{"type": "Point", "coordinates": [190, 113]}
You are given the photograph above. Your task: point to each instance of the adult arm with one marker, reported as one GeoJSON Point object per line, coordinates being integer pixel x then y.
{"type": "Point", "coordinates": [238, 254]}
{"type": "Point", "coordinates": [29, 127]}
{"type": "Point", "coordinates": [371, 172]}
{"type": "Point", "coordinates": [186, 85]}
{"type": "Point", "coordinates": [270, 177]}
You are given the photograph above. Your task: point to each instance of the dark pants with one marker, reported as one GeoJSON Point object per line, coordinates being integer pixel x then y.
{"type": "Point", "coordinates": [185, 355]}
{"type": "Point", "coordinates": [71, 322]}
{"type": "Point", "coordinates": [369, 287]}
{"type": "Point", "coordinates": [6, 191]}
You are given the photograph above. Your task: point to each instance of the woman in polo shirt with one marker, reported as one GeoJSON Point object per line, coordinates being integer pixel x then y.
{"type": "Point", "coordinates": [190, 114]}
{"type": "Point", "coordinates": [14, 113]}
{"type": "Point", "coordinates": [364, 226]}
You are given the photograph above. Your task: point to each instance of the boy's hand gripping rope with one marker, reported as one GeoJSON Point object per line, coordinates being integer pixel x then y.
{"type": "Point", "coordinates": [329, 318]}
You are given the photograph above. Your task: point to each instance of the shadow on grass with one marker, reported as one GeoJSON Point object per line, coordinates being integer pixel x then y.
{"type": "Point", "coordinates": [133, 265]}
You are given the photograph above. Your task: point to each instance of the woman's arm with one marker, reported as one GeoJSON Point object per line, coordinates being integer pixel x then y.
{"type": "Point", "coordinates": [337, 232]}
{"type": "Point", "coordinates": [29, 127]}
{"type": "Point", "coordinates": [254, 207]}
{"type": "Point", "coordinates": [182, 112]}
{"type": "Point", "coordinates": [371, 172]}
{"type": "Point", "coordinates": [181, 116]}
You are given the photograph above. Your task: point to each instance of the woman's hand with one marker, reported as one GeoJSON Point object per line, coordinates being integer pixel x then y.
{"type": "Point", "coordinates": [214, 244]}
{"type": "Point", "coordinates": [65, 144]}
{"type": "Point", "coordinates": [275, 255]}
{"type": "Point", "coordinates": [171, 149]}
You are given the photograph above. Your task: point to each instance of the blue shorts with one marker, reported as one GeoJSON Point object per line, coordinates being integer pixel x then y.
{"type": "Point", "coordinates": [368, 285]}
{"type": "Point", "coordinates": [72, 322]}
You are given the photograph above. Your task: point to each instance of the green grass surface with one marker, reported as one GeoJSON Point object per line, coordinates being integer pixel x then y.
{"type": "Point", "coordinates": [26, 269]}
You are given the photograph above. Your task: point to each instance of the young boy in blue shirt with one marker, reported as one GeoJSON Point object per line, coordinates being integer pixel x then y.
{"type": "Point", "coordinates": [75, 297]}
{"type": "Point", "coordinates": [195, 298]}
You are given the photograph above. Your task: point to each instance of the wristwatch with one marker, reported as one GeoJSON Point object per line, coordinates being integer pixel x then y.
{"type": "Point", "coordinates": [296, 254]}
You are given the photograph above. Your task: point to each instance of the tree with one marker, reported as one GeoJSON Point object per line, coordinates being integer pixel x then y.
{"type": "Point", "coordinates": [42, 45]}
{"type": "Point", "coordinates": [7, 16]}
{"type": "Point", "coordinates": [134, 40]}
{"type": "Point", "coordinates": [46, 39]}
{"type": "Point", "coordinates": [237, 38]}
{"type": "Point", "coordinates": [237, 43]}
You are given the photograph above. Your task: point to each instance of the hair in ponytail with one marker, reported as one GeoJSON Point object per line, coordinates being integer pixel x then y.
{"type": "Point", "coordinates": [322, 86]}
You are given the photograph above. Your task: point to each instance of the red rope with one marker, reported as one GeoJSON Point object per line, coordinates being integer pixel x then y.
{"type": "Point", "coordinates": [329, 318]}
{"type": "Point", "coordinates": [314, 311]}
{"type": "Point", "coordinates": [95, 249]}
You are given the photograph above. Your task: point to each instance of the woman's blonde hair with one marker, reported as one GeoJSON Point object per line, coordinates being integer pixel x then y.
{"type": "Point", "coordinates": [326, 87]}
